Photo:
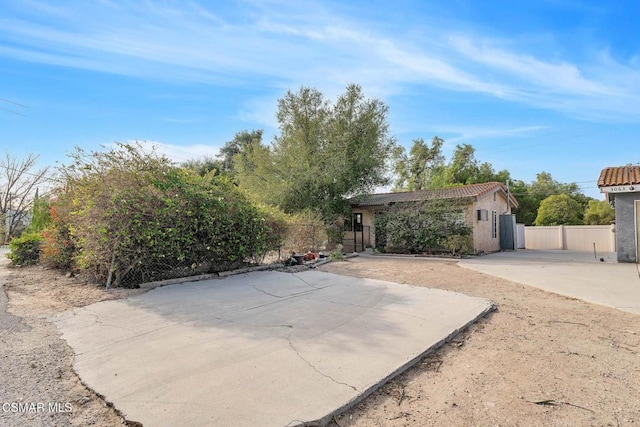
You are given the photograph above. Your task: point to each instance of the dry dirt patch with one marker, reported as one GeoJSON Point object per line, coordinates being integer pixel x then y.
{"type": "Point", "coordinates": [541, 360]}
{"type": "Point", "coordinates": [35, 363]}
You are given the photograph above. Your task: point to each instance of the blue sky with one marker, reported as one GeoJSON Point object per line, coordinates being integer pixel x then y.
{"type": "Point", "coordinates": [545, 85]}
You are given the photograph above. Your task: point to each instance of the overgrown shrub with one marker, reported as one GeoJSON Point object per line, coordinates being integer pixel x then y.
{"type": "Point", "coordinates": [134, 217]}
{"type": "Point", "coordinates": [337, 254]}
{"type": "Point", "coordinates": [25, 250]}
{"type": "Point", "coordinates": [57, 248]}
{"type": "Point", "coordinates": [335, 231]}
{"type": "Point", "coordinates": [272, 234]}
{"type": "Point", "coordinates": [423, 227]}
{"type": "Point", "coordinates": [306, 231]}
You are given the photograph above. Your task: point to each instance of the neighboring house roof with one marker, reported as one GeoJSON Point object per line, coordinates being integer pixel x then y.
{"type": "Point", "coordinates": [622, 175]}
{"type": "Point", "coordinates": [472, 191]}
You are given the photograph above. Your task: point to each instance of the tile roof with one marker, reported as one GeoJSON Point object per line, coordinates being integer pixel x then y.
{"type": "Point", "coordinates": [622, 175]}
{"type": "Point", "coordinates": [472, 191]}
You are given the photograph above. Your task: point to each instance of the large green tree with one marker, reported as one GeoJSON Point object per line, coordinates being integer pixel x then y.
{"type": "Point", "coordinates": [323, 153]}
{"type": "Point", "coordinates": [425, 167]}
{"type": "Point", "coordinates": [241, 142]}
{"type": "Point", "coordinates": [422, 168]}
{"type": "Point", "coordinates": [559, 209]}
{"type": "Point", "coordinates": [224, 163]}
{"type": "Point", "coordinates": [531, 195]}
{"type": "Point", "coordinates": [599, 213]}
{"type": "Point", "coordinates": [464, 168]}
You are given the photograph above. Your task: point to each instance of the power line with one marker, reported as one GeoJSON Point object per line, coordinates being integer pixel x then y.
{"type": "Point", "coordinates": [13, 112]}
{"type": "Point", "coordinates": [13, 102]}
{"type": "Point", "coordinates": [8, 101]}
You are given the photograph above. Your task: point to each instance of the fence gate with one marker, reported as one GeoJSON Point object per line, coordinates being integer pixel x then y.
{"type": "Point", "coordinates": [357, 236]}
{"type": "Point", "coordinates": [507, 232]}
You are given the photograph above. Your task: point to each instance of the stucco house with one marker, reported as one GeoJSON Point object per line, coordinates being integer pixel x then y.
{"type": "Point", "coordinates": [486, 208]}
{"type": "Point", "coordinates": [622, 188]}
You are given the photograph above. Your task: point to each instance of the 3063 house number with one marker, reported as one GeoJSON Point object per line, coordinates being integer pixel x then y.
{"type": "Point", "coordinates": [619, 189]}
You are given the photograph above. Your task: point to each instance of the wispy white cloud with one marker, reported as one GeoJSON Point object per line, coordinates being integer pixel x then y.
{"type": "Point", "coordinates": [284, 44]}
{"type": "Point", "coordinates": [465, 134]}
{"type": "Point", "coordinates": [179, 153]}
{"type": "Point", "coordinates": [560, 77]}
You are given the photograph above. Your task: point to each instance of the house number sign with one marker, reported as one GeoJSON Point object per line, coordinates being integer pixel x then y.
{"type": "Point", "coordinates": [620, 189]}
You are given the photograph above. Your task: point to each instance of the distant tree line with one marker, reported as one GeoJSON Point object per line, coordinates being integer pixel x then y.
{"type": "Point", "coordinates": [544, 201]}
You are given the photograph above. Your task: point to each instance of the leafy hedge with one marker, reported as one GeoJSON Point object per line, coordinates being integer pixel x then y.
{"type": "Point", "coordinates": [422, 227]}
{"type": "Point", "coordinates": [131, 217]}
{"type": "Point", "coordinates": [25, 250]}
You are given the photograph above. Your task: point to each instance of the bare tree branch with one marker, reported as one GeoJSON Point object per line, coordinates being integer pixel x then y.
{"type": "Point", "coordinates": [19, 182]}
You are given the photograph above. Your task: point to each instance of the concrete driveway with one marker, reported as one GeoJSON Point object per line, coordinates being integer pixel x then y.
{"type": "Point", "coordinates": [264, 348]}
{"type": "Point", "coordinates": [574, 274]}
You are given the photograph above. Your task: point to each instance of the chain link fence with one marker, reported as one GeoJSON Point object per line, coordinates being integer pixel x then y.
{"type": "Point", "coordinates": [166, 269]}
{"type": "Point", "coordinates": [300, 238]}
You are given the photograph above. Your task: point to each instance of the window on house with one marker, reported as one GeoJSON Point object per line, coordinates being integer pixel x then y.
{"type": "Point", "coordinates": [482, 215]}
{"type": "Point", "coordinates": [494, 224]}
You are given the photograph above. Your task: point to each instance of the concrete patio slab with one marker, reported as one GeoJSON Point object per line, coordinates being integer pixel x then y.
{"type": "Point", "coordinates": [264, 348]}
{"type": "Point", "coordinates": [575, 274]}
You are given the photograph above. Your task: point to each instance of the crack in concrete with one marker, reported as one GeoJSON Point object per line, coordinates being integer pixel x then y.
{"type": "Point", "coordinates": [316, 369]}
{"type": "Point", "coordinates": [304, 281]}
{"type": "Point", "coordinates": [99, 322]}
{"type": "Point", "coordinates": [279, 300]}
{"type": "Point", "coordinates": [265, 292]}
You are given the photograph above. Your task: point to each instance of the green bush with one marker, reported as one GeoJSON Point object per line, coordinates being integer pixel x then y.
{"type": "Point", "coordinates": [25, 250]}
{"type": "Point", "coordinates": [270, 233]}
{"type": "Point", "coordinates": [337, 254]}
{"type": "Point", "coordinates": [133, 217]}
{"type": "Point", "coordinates": [423, 227]}
{"type": "Point", "coordinates": [41, 216]}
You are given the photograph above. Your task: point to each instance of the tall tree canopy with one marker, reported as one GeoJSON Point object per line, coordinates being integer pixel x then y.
{"type": "Point", "coordinates": [599, 213]}
{"type": "Point", "coordinates": [422, 168]}
{"type": "Point", "coordinates": [324, 152]}
{"type": "Point", "coordinates": [531, 195]}
{"type": "Point", "coordinates": [224, 163]}
{"type": "Point", "coordinates": [425, 167]}
{"type": "Point", "coordinates": [559, 209]}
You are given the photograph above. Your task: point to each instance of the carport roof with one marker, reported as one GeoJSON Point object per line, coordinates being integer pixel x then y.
{"type": "Point", "coordinates": [472, 191]}
{"type": "Point", "coordinates": [621, 175]}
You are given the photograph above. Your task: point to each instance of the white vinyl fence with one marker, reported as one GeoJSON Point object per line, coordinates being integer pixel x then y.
{"type": "Point", "coordinates": [520, 242]}
{"type": "Point", "coordinates": [571, 237]}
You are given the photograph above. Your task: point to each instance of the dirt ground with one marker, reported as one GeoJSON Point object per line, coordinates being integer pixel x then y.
{"type": "Point", "coordinates": [540, 360]}
{"type": "Point", "coordinates": [35, 363]}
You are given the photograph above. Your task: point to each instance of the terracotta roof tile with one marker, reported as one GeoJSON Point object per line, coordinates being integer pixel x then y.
{"type": "Point", "coordinates": [471, 191]}
{"type": "Point", "coordinates": [622, 175]}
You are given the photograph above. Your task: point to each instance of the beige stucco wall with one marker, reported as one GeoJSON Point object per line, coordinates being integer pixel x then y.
{"type": "Point", "coordinates": [483, 240]}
